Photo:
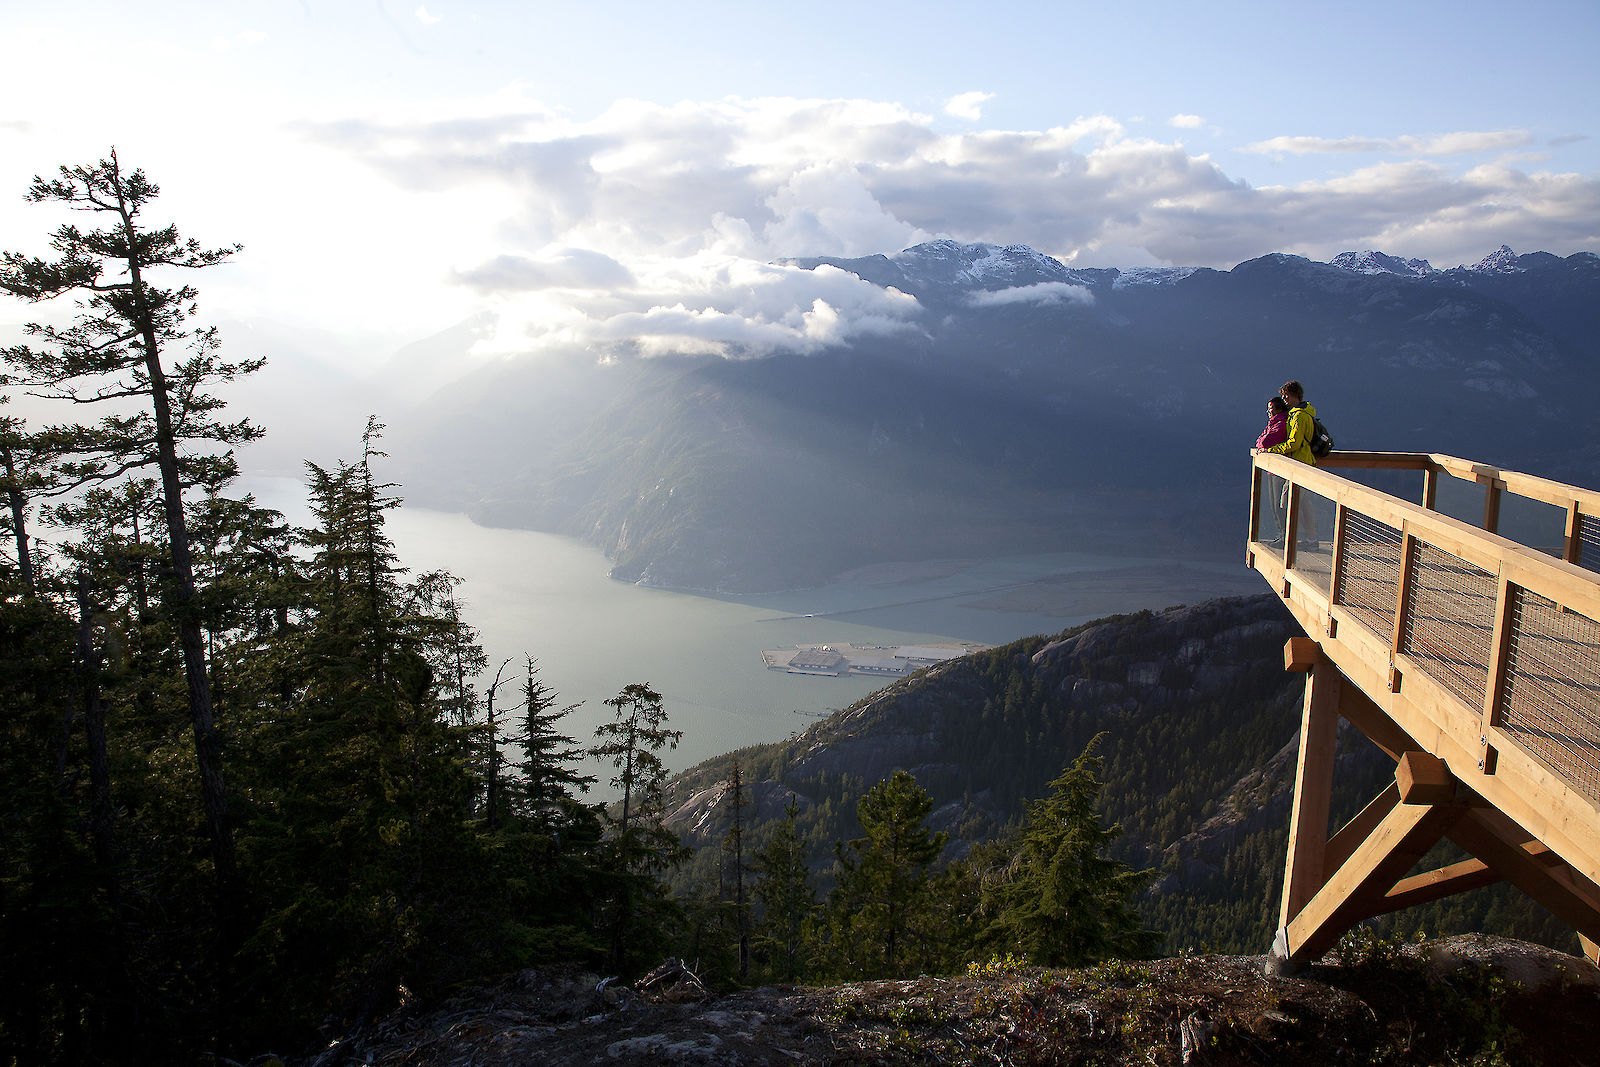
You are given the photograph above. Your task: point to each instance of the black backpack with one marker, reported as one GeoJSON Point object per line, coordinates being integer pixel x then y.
{"type": "Point", "coordinates": [1321, 439]}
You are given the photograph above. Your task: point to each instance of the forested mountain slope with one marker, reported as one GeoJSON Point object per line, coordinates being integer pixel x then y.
{"type": "Point", "coordinates": [1201, 723]}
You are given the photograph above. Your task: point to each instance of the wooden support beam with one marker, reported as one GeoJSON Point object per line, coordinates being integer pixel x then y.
{"type": "Point", "coordinates": [1304, 871]}
{"type": "Point", "coordinates": [1456, 878]}
{"type": "Point", "coordinates": [1357, 889]}
{"type": "Point", "coordinates": [1424, 779]}
{"type": "Point", "coordinates": [1436, 885]}
{"type": "Point", "coordinates": [1300, 654]}
{"type": "Point", "coordinates": [1516, 856]}
{"type": "Point", "coordinates": [1591, 949]}
{"type": "Point", "coordinates": [1365, 715]}
{"type": "Point", "coordinates": [1572, 549]}
{"type": "Point", "coordinates": [1342, 845]}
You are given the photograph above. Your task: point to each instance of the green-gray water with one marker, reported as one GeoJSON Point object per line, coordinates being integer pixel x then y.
{"type": "Point", "coordinates": [549, 597]}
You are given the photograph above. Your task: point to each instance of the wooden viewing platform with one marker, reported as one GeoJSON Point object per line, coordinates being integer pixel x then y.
{"type": "Point", "coordinates": [1471, 657]}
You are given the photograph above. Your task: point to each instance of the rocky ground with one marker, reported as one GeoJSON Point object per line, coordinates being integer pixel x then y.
{"type": "Point", "coordinates": [1464, 1000]}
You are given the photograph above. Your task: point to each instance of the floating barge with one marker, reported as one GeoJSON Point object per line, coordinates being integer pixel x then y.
{"type": "Point", "coordinates": [835, 660]}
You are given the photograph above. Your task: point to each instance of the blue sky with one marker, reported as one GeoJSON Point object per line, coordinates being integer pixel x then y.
{"type": "Point", "coordinates": [627, 172]}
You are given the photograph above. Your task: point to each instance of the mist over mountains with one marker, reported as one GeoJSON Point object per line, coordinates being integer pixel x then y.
{"type": "Point", "coordinates": [1025, 406]}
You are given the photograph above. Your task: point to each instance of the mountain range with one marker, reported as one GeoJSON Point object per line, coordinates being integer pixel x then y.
{"type": "Point", "coordinates": [1032, 406]}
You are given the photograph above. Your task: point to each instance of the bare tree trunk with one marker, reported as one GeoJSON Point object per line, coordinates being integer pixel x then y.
{"type": "Point", "coordinates": [103, 816]}
{"type": "Point", "coordinates": [19, 520]}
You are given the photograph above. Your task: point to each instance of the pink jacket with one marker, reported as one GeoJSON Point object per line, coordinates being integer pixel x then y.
{"type": "Point", "coordinates": [1277, 431]}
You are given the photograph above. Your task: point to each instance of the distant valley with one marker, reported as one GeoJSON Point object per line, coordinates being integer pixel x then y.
{"type": "Point", "coordinates": [1033, 407]}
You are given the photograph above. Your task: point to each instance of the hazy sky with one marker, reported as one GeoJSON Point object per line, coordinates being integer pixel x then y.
{"type": "Point", "coordinates": [625, 172]}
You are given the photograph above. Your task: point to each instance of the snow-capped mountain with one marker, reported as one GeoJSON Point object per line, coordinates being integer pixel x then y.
{"type": "Point", "coordinates": [1501, 261]}
{"type": "Point", "coordinates": [1370, 262]}
{"type": "Point", "coordinates": [979, 266]}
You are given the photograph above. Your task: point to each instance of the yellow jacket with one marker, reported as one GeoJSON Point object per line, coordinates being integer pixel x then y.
{"type": "Point", "coordinates": [1298, 444]}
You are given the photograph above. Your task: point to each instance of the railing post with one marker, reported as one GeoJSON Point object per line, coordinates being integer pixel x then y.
{"type": "Point", "coordinates": [1499, 649]}
{"type": "Point", "coordinates": [1402, 595]}
{"type": "Point", "coordinates": [1255, 500]}
{"type": "Point", "coordinates": [1430, 487]}
{"type": "Point", "coordinates": [1572, 550]}
{"type": "Point", "coordinates": [1336, 572]}
{"type": "Point", "coordinates": [1291, 524]}
{"type": "Point", "coordinates": [1491, 504]}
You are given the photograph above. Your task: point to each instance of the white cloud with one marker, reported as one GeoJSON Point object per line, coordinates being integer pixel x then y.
{"type": "Point", "coordinates": [424, 17]}
{"type": "Point", "coordinates": [1186, 122]}
{"type": "Point", "coordinates": [663, 219]}
{"type": "Point", "coordinates": [564, 268]}
{"type": "Point", "coordinates": [1040, 293]}
{"type": "Point", "coordinates": [704, 304]}
{"type": "Point", "coordinates": [967, 105]}
{"type": "Point", "coordinates": [1444, 144]}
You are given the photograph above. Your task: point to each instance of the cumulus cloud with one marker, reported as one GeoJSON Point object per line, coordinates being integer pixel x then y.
{"type": "Point", "coordinates": [657, 226]}
{"type": "Point", "coordinates": [705, 304]}
{"type": "Point", "coordinates": [1444, 144]}
{"type": "Point", "coordinates": [1186, 122]}
{"type": "Point", "coordinates": [967, 105]}
{"type": "Point", "coordinates": [1040, 293]}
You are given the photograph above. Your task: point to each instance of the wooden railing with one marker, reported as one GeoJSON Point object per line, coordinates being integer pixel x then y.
{"type": "Point", "coordinates": [1477, 650]}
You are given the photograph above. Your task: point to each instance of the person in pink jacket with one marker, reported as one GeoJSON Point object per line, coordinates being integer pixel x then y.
{"type": "Point", "coordinates": [1277, 423]}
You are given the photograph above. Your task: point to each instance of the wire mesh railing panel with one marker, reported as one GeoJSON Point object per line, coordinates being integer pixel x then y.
{"type": "Point", "coordinates": [1550, 699]}
{"type": "Point", "coordinates": [1370, 578]}
{"type": "Point", "coordinates": [1589, 540]}
{"type": "Point", "coordinates": [1449, 621]}
{"type": "Point", "coordinates": [1313, 550]}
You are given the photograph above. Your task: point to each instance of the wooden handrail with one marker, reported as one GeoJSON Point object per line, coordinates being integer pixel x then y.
{"type": "Point", "coordinates": [1563, 582]}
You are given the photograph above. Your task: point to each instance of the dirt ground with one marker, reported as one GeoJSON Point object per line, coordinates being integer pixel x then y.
{"type": "Point", "coordinates": [1469, 1000]}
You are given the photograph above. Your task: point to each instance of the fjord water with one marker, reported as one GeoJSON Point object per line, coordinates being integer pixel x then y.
{"type": "Point", "coordinates": [548, 596]}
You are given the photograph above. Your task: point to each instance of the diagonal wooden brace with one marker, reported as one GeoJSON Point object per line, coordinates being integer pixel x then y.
{"type": "Point", "coordinates": [1357, 889]}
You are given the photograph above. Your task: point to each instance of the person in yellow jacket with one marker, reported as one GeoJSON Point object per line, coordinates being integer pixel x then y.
{"type": "Point", "coordinates": [1302, 417]}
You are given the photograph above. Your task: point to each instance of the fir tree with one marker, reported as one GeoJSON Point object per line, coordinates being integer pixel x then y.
{"type": "Point", "coordinates": [119, 351]}
{"type": "Point", "coordinates": [883, 876]}
{"type": "Point", "coordinates": [733, 845]}
{"type": "Point", "coordinates": [548, 782]}
{"type": "Point", "coordinates": [1062, 901]}
{"type": "Point", "coordinates": [641, 847]}
{"type": "Point", "coordinates": [788, 901]}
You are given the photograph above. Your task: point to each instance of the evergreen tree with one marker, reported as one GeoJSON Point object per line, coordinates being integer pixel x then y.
{"type": "Point", "coordinates": [642, 848]}
{"type": "Point", "coordinates": [1062, 901]}
{"type": "Point", "coordinates": [548, 782]}
{"type": "Point", "coordinates": [733, 845]}
{"type": "Point", "coordinates": [883, 877]}
{"type": "Point", "coordinates": [788, 901]}
{"type": "Point", "coordinates": [364, 852]}
{"type": "Point", "coordinates": [117, 352]}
